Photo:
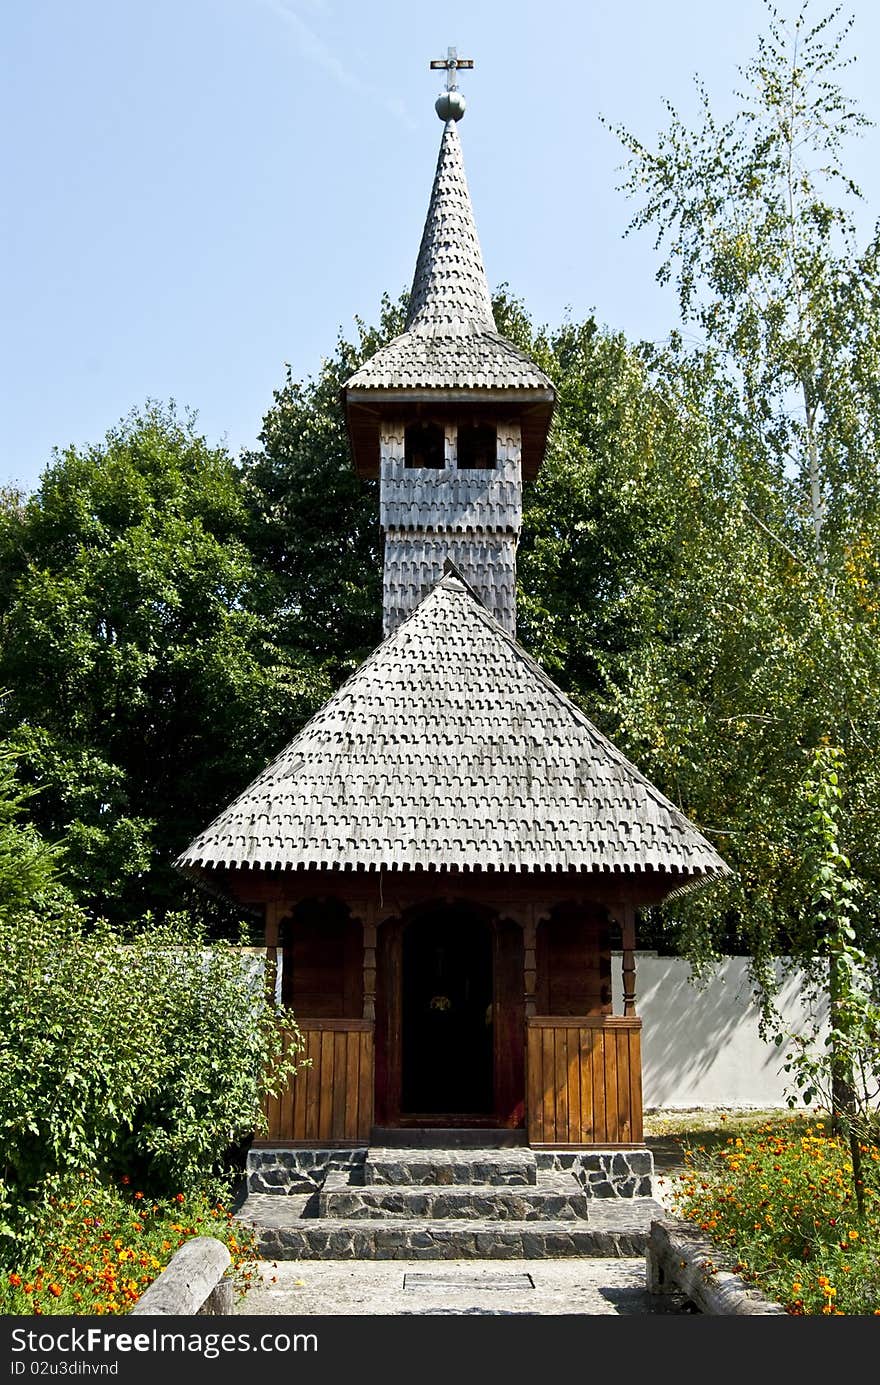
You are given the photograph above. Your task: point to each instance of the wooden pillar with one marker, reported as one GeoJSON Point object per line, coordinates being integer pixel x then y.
{"type": "Point", "coordinates": [628, 943]}
{"type": "Point", "coordinates": [274, 910]}
{"type": "Point", "coordinates": [530, 968]}
{"type": "Point", "coordinates": [369, 925]}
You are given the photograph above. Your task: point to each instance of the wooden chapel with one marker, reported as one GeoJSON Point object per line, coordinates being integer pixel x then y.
{"type": "Point", "coordinates": [448, 852]}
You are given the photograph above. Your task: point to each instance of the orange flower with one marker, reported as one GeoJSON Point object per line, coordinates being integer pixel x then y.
{"type": "Point", "coordinates": [15, 1280]}
{"type": "Point", "coordinates": [55, 1290]}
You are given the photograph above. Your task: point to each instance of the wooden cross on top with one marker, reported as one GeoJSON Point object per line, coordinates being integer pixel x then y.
{"type": "Point", "coordinates": [452, 62]}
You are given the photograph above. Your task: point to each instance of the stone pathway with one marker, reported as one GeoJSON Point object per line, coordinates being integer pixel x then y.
{"type": "Point", "coordinates": [592, 1287]}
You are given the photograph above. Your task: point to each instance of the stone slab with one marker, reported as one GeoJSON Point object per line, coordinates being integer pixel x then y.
{"type": "Point", "coordinates": [620, 1229]}
{"type": "Point", "coordinates": [447, 1167]}
{"type": "Point", "coordinates": [594, 1288]}
{"type": "Point", "coordinates": [604, 1173]}
{"type": "Point", "coordinates": [557, 1197]}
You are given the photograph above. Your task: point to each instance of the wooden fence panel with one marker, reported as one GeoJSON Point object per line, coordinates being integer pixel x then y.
{"type": "Point", "coordinates": [330, 1101]}
{"type": "Point", "coordinates": [584, 1080]}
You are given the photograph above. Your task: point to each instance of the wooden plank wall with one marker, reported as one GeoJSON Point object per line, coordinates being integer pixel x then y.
{"type": "Point", "coordinates": [331, 1100]}
{"type": "Point", "coordinates": [584, 1078]}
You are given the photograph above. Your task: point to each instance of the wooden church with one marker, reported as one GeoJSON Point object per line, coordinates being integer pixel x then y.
{"type": "Point", "coordinates": [449, 852]}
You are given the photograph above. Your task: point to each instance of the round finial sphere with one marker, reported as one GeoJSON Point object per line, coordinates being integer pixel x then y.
{"type": "Point", "coordinates": [450, 105]}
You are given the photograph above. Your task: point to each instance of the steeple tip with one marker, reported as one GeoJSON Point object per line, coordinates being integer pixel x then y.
{"type": "Point", "coordinates": [450, 104]}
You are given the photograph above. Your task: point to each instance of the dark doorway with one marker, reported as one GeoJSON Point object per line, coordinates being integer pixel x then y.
{"type": "Point", "coordinates": [447, 1014]}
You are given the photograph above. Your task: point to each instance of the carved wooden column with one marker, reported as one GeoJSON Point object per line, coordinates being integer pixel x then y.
{"type": "Point", "coordinates": [628, 943]}
{"type": "Point", "coordinates": [625, 916]}
{"type": "Point", "coordinates": [274, 910]}
{"type": "Point", "coordinates": [530, 967]}
{"type": "Point", "coordinates": [369, 925]}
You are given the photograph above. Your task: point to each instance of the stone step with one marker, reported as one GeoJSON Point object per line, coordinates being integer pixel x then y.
{"type": "Point", "coordinates": [446, 1137]}
{"type": "Point", "coordinates": [615, 1229]}
{"type": "Point", "coordinates": [557, 1197]}
{"type": "Point", "coordinates": [445, 1167]}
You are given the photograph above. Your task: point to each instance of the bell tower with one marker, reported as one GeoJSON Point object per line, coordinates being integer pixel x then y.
{"type": "Point", "coordinates": [449, 415]}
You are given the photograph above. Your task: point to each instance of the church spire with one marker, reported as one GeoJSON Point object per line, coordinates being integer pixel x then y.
{"type": "Point", "coordinates": [449, 415]}
{"type": "Point", "coordinates": [450, 294]}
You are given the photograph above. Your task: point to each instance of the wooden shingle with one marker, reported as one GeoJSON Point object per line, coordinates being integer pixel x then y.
{"type": "Point", "coordinates": [451, 749]}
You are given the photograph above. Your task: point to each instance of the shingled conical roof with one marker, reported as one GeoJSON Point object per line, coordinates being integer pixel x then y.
{"type": "Point", "coordinates": [450, 749]}
{"type": "Point", "coordinates": [451, 341]}
{"type": "Point", "coordinates": [449, 289]}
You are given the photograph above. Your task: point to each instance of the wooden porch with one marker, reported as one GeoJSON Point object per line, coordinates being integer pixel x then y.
{"type": "Point", "coordinates": [583, 1084]}
{"type": "Point", "coordinates": [569, 1076]}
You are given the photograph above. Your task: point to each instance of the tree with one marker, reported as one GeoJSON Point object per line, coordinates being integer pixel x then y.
{"type": "Point", "coordinates": [785, 650]}
{"type": "Point", "coordinates": [314, 525]}
{"type": "Point", "coordinates": [841, 1070]}
{"type": "Point", "coordinates": [146, 681]}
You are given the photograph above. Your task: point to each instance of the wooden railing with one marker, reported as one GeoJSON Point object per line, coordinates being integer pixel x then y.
{"type": "Point", "coordinates": [330, 1101]}
{"type": "Point", "coordinates": [584, 1080]}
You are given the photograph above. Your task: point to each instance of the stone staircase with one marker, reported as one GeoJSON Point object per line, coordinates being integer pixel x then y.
{"type": "Point", "coordinates": [401, 1203]}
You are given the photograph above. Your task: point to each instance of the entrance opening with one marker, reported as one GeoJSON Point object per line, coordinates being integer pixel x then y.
{"type": "Point", "coordinates": [447, 1035]}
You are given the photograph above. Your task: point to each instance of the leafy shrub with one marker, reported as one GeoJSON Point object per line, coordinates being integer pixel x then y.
{"type": "Point", "coordinates": [147, 1057]}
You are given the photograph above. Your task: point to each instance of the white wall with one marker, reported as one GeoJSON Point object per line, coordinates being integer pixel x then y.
{"type": "Point", "coordinates": [701, 1047]}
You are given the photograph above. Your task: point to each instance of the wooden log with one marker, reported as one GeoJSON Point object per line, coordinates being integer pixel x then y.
{"type": "Point", "coordinates": [369, 963]}
{"type": "Point", "coordinates": [220, 1302]}
{"type": "Point", "coordinates": [679, 1258]}
{"type": "Point", "coordinates": [530, 973]}
{"type": "Point", "coordinates": [273, 922]}
{"type": "Point", "coordinates": [187, 1281]}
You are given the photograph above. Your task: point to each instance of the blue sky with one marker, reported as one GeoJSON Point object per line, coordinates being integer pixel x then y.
{"type": "Point", "coordinates": [198, 192]}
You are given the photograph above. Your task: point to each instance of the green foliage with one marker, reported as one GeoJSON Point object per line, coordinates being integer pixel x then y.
{"type": "Point", "coordinates": [762, 635]}
{"type": "Point", "coordinates": [781, 1207]}
{"type": "Point", "coordinates": [146, 681]}
{"type": "Point", "coordinates": [28, 864]}
{"type": "Point", "coordinates": [841, 1074]}
{"type": "Point", "coordinates": [314, 525]}
{"type": "Point", "coordinates": [766, 264]}
{"type": "Point", "coordinates": [146, 1056]}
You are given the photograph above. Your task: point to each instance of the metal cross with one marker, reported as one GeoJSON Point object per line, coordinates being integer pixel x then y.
{"type": "Point", "coordinates": [452, 62]}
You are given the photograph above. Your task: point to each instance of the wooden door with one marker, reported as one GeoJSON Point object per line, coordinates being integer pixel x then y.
{"type": "Point", "coordinates": [508, 1020]}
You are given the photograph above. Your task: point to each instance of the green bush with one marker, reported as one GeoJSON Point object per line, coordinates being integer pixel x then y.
{"type": "Point", "coordinates": [146, 1057]}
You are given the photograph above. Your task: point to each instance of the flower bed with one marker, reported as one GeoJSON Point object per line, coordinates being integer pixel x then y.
{"type": "Point", "coordinates": [95, 1249]}
{"type": "Point", "coordinates": [783, 1205]}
